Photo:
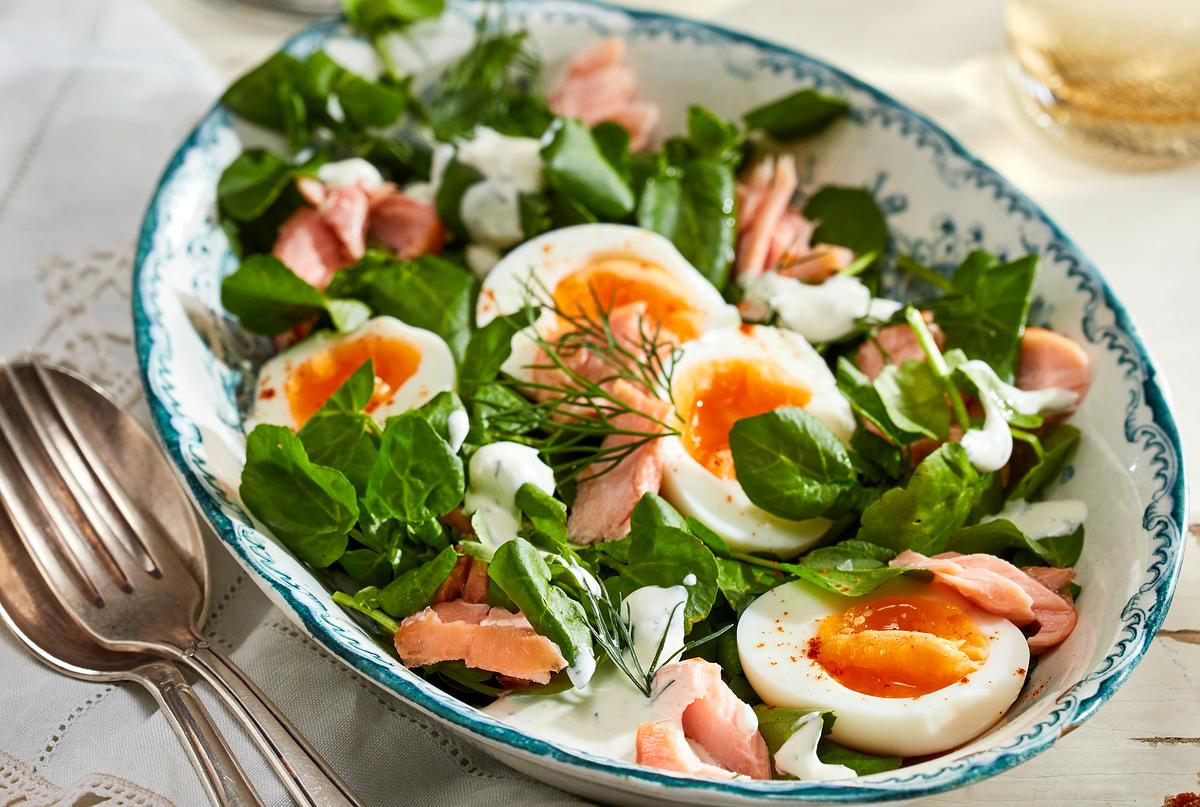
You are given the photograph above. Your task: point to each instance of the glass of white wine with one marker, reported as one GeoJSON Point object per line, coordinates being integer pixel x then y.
{"type": "Point", "coordinates": [1120, 78]}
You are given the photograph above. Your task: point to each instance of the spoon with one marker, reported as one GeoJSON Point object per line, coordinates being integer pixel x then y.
{"type": "Point", "coordinates": [116, 541]}
{"type": "Point", "coordinates": [34, 616]}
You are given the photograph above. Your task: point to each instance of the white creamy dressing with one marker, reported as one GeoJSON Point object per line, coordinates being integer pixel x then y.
{"type": "Point", "coordinates": [490, 208]}
{"type": "Point", "coordinates": [798, 754]}
{"type": "Point", "coordinates": [458, 424]}
{"type": "Point", "coordinates": [689, 579]}
{"type": "Point", "coordinates": [354, 55]}
{"type": "Point", "coordinates": [603, 716]}
{"type": "Point", "coordinates": [990, 448]}
{"type": "Point", "coordinates": [354, 171]}
{"type": "Point", "coordinates": [497, 472]}
{"type": "Point", "coordinates": [820, 313]}
{"type": "Point", "coordinates": [1044, 519]}
{"type": "Point", "coordinates": [481, 258]}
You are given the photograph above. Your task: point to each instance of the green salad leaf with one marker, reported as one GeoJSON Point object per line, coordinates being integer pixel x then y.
{"type": "Point", "coordinates": [801, 114]}
{"type": "Point", "coordinates": [428, 292]}
{"type": "Point", "coordinates": [1054, 450]}
{"type": "Point", "coordinates": [849, 217]}
{"type": "Point", "coordinates": [985, 315]}
{"type": "Point", "coordinates": [268, 298]}
{"type": "Point", "coordinates": [867, 401]}
{"type": "Point", "coordinates": [413, 590]}
{"type": "Point", "coordinates": [252, 183]}
{"type": "Point", "coordinates": [693, 205]}
{"type": "Point", "coordinates": [339, 435]}
{"type": "Point", "coordinates": [1003, 538]}
{"type": "Point", "coordinates": [913, 397]}
{"type": "Point", "coordinates": [576, 168]}
{"type": "Point", "coordinates": [936, 502]}
{"type": "Point", "coordinates": [309, 507]}
{"type": "Point", "coordinates": [417, 476]}
{"type": "Point", "coordinates": [547, 514]}
{"type": "Point", "coordinates": [373, 17]}
{"type": "Point", "coordinates": [851, 568]}
{"type": "Point", "coordinates": [776, 723]}
{"type": "Point", "coordinates": [488, 348]}
{"type": "Point", "coordinates": [522, 574]}
{"type": "Point", "coordinates": [790, 464]}
{"type": "Point", "coordinates": [662, 552]}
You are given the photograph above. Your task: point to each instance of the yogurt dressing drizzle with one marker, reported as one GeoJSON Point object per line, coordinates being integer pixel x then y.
{"type": "Point", "coordinates": [497, 472]}
{"type": "Point", "coordinates": [821, 313]}
{"type": "Point", "coordinates": [354, 171]}
{"type": "Point", "coordinates": [1044, 519]}
{"type": "Point", "coordinates": [798, 754]}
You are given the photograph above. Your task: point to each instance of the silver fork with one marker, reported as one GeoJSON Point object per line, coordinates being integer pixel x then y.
{"type": "Point", "coordinates": [127, 561]}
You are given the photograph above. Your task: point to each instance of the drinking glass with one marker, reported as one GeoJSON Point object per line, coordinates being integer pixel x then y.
{"type": "Point", "coordinates": [1119, 77]}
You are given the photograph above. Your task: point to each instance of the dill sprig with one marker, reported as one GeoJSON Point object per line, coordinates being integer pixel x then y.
{"type": "Point", "coordinates": [576, 412]}
{"type": "Point", "coordinates": [613, 632]}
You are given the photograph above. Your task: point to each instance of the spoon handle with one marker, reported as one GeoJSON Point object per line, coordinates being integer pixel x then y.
{"type": "Point", "coordinates": [222, 777]}
{"type": "Point", "coordinates": [304, 772]}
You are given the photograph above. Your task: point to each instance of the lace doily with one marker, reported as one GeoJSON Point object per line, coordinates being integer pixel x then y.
{"type": "Point", "coordinates": [21, 785]}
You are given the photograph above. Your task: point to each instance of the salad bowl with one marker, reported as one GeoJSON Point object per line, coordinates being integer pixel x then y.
{"type": "Point", "coordinates": [941, 203]}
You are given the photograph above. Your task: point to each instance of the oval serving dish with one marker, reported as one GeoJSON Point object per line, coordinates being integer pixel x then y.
{"type": "Point", "coordinates": [941, 203]}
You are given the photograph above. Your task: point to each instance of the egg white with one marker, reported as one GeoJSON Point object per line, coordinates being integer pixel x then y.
{"type": "Point", "coordinates": [721, 503]}
{"type": "Point", "coordinates": [542, 262]}
{"type": "Point", "coordinates": [435, 373]}
{"type": "Point", "coordinates": [772, 638]}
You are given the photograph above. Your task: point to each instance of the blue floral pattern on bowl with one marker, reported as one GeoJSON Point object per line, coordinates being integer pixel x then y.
{"type": "Point", "coordinates": [941, 203]}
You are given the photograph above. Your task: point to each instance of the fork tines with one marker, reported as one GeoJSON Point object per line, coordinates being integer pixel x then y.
{"type": "Point", "coordinates": [73, 517]}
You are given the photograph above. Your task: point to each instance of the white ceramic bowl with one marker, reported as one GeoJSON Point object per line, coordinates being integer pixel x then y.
{"type": "Point", "coordinates": [940, 202]}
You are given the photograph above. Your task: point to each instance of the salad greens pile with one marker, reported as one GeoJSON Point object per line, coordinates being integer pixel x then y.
{"type": "Point", "coordinates": [378, 508]}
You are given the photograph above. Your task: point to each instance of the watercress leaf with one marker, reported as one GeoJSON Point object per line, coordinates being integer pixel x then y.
{"type": "Point", "coordinates": [267, 94]}
{"type": "Point", "coordinates": [708, 536]}
{"type": "Point", "coordinates": [430, 292]}
{"type": "Point", "coordinates": [487, 349]}
{"type": "Point", "coordinates": [534, 210]}
{"type": "Point", "coordinates": [712, 136]}
{"type": "Point", "coordinates": [498, 411]}
{"type": "Point", "coordinates": [355, 392]}
{"type": "Point", "coordinates": [742, 583]}
{"type": "Point", "coordinates": [309, 507]}
{"type": "Point", "coordinates": [914, 398]}
{"type": "Point", "coordinates": [865, 400]}
{"type": "Point", "coordinates": [252, 183]}
{"type": "Point", "coordinates": [1002, 537]}
{"type": "Point", "coordinates": [861, 763]}
{"type": "Point", "coordinates": [1058, 445]}
{"type": "Point", "coordinates": [924, 514]}
{"type": "Point", "coordinates": [875, 457]}
{"type": "Point", "coordinates": [345, 441]}
{"type": "Point", "coordinates": [731, 668]}
{"type": "Point", "coordinates": [804, 113]}
{"type": "Point", "coordinates": [369, 104]}
{"type": "Point", "coordinates": [437, 411]}
{"type": "Point", "coordinates": [399, 158]}
{"type": "Point", "coordinates": [413, 590]}
{"type": "Point", "coordinates": [366, 566]}
{"type": "Point", "coordinates": [373, 17]}
{"type": "Point", "coordinates": [576, 167]}
{"type": "Point", "coordinates": [613, 141]}
{"type": "Point", "coordinates": [851, 568]}
{"type": "Point", "coordinates": [268, 298]}
{"type": "Point", "coordinates": [986, 315]}
{"type": "Point", "coordinates": [790, 464]}
{"type": "Point", "coordinates": [665, 556]}
{"type": "Point", "coordinates": [457, 177]}
{"type": "Point", "coordinates": [850, 217]}
{"type": "Point", "coordinates": [653, 511]}
{"type": "Point", "coordinates": [417, 475]}
{"type": "Point", "coordinates": [693, 205]}
{"type": "Point", "coordinates": [547, 514]}
{"type": "Point", "coordinates": [522, 574]}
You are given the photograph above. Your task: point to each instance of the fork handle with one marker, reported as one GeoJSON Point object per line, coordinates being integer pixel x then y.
{"type": "Point", "coordinates": [223, 779]}
{"type": "Point", "coordinates": [304, 772]}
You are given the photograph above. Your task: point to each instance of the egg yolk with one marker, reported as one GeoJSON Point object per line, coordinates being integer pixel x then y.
{"type": "Point", "coordinates": [609, 283]}
{"type": "Point", "coordinates": [899, 647]}
{"type": "Point", "coordinates": [311, 383]}
{"type": "Point", "coordinates": [711, 397]}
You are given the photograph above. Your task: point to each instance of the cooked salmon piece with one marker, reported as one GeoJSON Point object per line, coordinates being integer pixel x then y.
{"type": "Point", "coordinates": [475, 589]}
{"type": "Point", "coordinates": [899, 343]}
{"type": "Point", "coordinates": [408, 227]}
{"type": "Point", "coordinates": [312, 190]}
{"type": "Point", "coordinates": [452, 587]}
{"type": "Point", "coordinates": [749, 191]}
{"type": "Point", "coordinates": [1050, 577]}
{"type": "Point", "coordinates": [774, 198]}
{"type": "Point", "coordinates": [345, 210]}
{"type": "Point", "coordinates": [308, 246]}
{"type": "Point", "coordinates": [1000, 588]}
{"type": "Point", "coordinates": [700, 727]}
{"type": "Point", "coordinates": [790, 243]}
{"type": "Point", "coordinates": [491, 639]}
{"type": "Point", "coordinates": [1049, 359]}
{"type": "Point", "coordinates": [600, 87]}
{"type": "Point", "coordinates": [815, 266]}
{"type": "Point", "coordinates": [606, 496]}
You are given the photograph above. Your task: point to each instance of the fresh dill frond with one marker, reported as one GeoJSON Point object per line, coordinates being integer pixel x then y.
{"type": "Point", "coordinates": [613, 632]}
{"type": "Point", "coordinates": [576, 410]}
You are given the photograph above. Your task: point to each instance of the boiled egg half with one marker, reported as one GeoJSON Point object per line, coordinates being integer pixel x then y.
{"type": "Point", "coordinates": [909, 669]}
{"type": "Point", "coordinates": [411, 366]}
{"type": "Point", "coordinates": [592, 267]}
{"type": "Point", "coordinates": [724, 376]}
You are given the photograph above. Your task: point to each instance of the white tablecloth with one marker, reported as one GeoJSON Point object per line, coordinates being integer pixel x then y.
{"type": "Point", "coordinates": [94, 96]}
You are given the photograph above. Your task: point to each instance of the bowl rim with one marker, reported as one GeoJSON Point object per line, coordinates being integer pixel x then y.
{"type": "Point", "coordinates": [1159, 579]}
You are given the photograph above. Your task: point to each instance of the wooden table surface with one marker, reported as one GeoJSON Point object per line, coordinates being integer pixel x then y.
{"type": "Point", "coordinates": [946, 59]}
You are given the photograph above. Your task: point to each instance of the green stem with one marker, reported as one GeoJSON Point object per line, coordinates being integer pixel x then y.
{"type": "Point", "coordinates": [938, 363]}
{"type": "Point", "coordinates": [385, 621]}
